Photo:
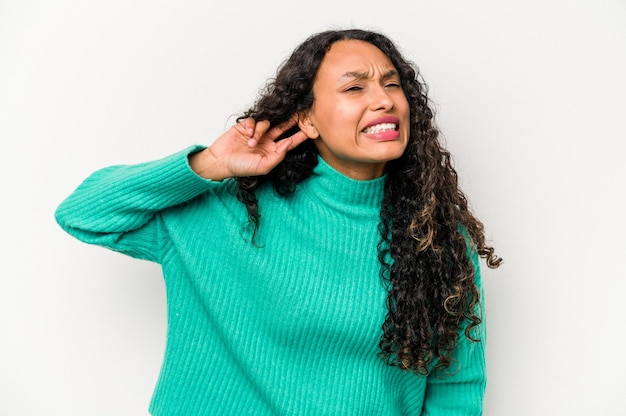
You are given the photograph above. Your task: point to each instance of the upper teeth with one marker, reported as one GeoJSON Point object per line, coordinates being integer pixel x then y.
{"type": "Point", "coordinates": [380, 127]}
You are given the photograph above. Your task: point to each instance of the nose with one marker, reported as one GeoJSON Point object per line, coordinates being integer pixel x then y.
{"type": "Point", "coordinates": [380, 99]}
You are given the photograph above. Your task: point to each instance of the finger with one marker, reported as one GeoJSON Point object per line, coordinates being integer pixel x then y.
{"type": "Point", "coordinates": [287, 124]}
{"type": "Point", "coordinates": [276, 131]}
{"type": "Point", "coordinates": [260, 129]}
{"type": "Point", "coordinates": [246, 127]}
{"type": "Point", "coordinates": [283, 147]}
{"type": "Point", "coordinates": [289, 143]}
{"type": "Point", "coordinates": [296, 140]}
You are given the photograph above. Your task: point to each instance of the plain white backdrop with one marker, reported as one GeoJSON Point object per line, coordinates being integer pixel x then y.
{"type": "Point", "coordinates": [530, 96]}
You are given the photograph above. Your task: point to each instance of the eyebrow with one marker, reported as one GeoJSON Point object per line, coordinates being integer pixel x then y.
{"type": "Point", "coordinates": [364, 75]}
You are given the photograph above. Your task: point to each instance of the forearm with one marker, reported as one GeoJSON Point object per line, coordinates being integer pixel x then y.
{"type": "Point", "coordinates": [121, 199]}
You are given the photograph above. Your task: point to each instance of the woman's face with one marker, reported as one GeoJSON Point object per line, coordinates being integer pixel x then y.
{"type": "Point", "coordinates": [360, 116]}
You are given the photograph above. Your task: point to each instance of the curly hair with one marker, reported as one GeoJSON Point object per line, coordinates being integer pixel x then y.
{"type": "Point", "coordinates": [426, 227]}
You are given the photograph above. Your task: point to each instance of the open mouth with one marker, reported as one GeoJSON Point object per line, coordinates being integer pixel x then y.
{"type": "Point", "coordinates": [380, 128]}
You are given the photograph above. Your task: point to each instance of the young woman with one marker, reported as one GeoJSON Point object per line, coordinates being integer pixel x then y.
{"type": "Point", "coordinates": [319, 257]}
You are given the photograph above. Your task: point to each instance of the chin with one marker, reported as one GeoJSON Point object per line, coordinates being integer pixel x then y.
{"type": "Point", "coordinates": [392, 154]}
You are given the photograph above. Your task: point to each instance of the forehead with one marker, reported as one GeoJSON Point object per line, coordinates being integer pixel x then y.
{"type": "Point", "coordinates": [353, 56]}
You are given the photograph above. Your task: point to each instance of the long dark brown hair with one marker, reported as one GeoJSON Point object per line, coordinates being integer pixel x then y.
{"type": "Point", "coordinates": [426, 226]}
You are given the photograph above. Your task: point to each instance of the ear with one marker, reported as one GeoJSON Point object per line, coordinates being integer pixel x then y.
{"type": "Point", "coordinates": [306, 124]}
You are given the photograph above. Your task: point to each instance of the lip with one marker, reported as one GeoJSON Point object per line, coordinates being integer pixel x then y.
{"type": "Point", "coordinates": [383, 136]}
{"type": "Point", "coordinates": [381, 120]}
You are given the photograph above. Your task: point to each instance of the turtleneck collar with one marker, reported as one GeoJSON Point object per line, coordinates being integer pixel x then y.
{"type": "Point", "coordinates": [344, 193]}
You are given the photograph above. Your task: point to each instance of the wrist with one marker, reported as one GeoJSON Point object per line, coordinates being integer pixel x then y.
{"type": "Point", "coordinates": [206, 165]}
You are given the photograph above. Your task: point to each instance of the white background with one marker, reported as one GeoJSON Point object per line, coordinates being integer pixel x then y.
{"type": "Point", "coordinates": [530, 96]}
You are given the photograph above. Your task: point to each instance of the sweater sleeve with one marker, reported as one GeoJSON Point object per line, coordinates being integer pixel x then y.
{"type": "Point", "coordinates": [118, 207]}
{"type": "Point", "coordinates": [461, 393]}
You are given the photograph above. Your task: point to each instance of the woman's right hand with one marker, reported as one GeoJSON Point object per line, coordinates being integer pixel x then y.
{"type": "Point", "coordinates": [249, 148]}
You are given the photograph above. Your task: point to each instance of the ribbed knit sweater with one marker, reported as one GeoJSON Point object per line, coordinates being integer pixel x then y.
{"type": "Point", "coordinates": [289, 326]}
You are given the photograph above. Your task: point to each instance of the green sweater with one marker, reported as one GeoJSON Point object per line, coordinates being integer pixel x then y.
{"type": "Point", "coordinates": [287, 327]}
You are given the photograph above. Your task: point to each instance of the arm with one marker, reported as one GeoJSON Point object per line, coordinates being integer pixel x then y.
{"type": "Point", "coordinates": [117, 207]}
{"type": "Point", "coordinates": [462, 393]}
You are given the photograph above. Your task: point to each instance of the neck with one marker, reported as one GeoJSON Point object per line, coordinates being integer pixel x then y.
{"type": "Point", "coordinates": [359, 171]}
{"type": "Point", "coordinates": [336, 189]}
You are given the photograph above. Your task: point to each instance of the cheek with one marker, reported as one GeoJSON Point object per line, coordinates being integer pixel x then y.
{"type": "Point", "coordinates": [347, 117]}
{"type": "Point", "coordinates": [337, 122]}
{"type": "Point", "coordinates": [407, 116]}
{"type": "Point", "coordinates": [404, 105]}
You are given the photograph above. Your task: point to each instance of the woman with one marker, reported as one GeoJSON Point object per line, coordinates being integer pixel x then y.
{"type": "Point", "coordinates": [319, 257]}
